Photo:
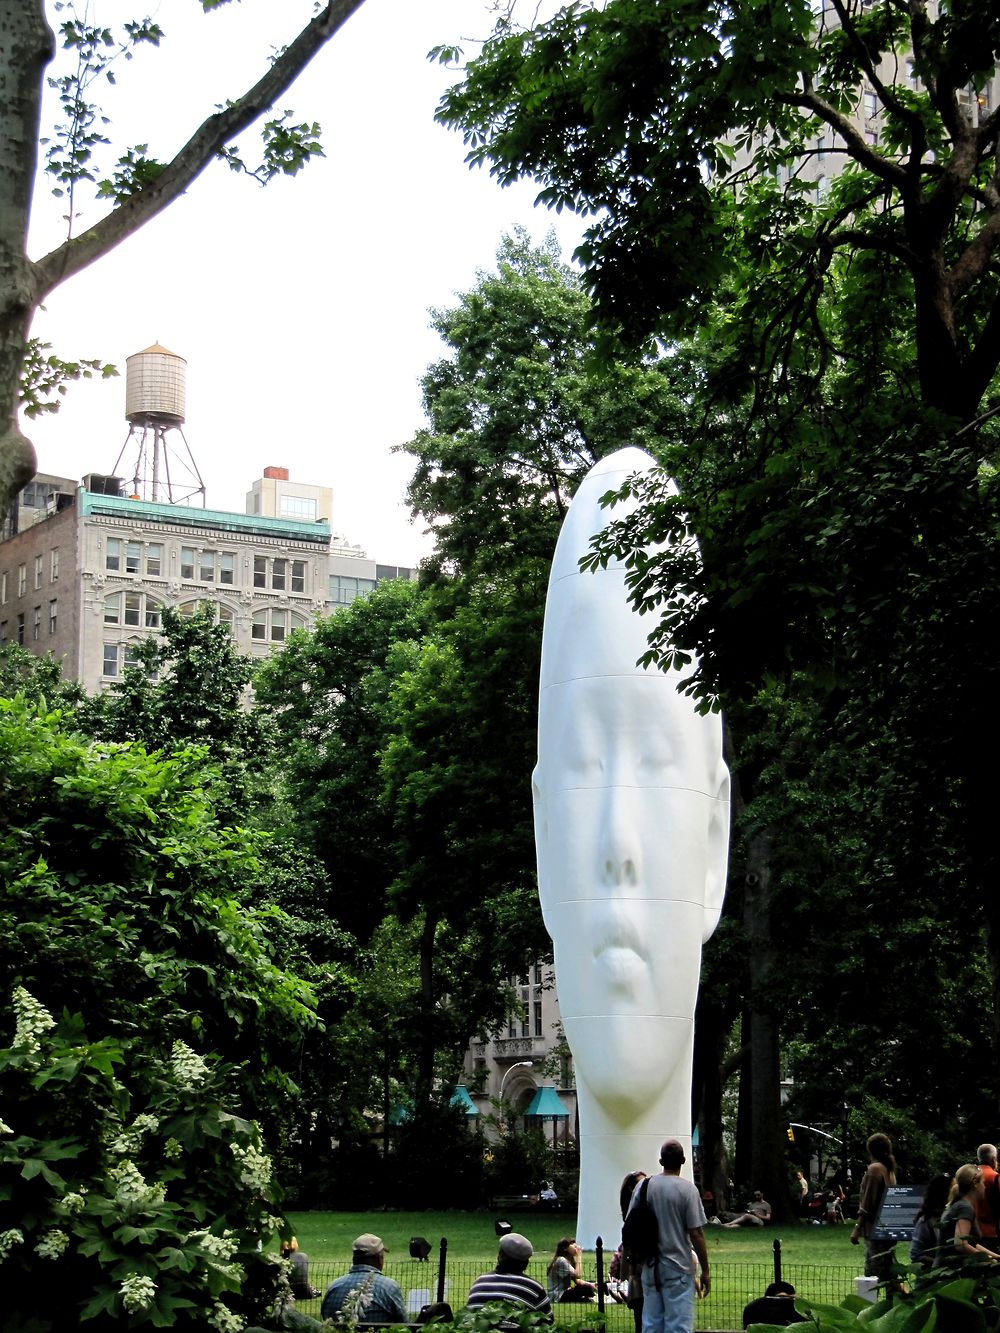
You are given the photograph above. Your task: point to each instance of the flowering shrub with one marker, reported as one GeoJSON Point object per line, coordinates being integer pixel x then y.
{"type": "Point", "coordinates": [130, 1196]}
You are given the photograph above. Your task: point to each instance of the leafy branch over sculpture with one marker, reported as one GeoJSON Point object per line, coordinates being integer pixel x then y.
{"type": "Point", "coordinates": [140, 187]}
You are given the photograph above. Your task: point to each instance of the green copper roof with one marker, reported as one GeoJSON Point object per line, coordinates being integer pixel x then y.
{"type": "Point", "coordinates": [148, 511]}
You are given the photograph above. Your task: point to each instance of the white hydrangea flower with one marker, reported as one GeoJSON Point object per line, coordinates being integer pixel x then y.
{"type": "Point", "coordinates": [137, 1293]}
{"type": "Point", "coordinates": [8, 1239]}
{"type": "Point", "coordinates": [224, 1319]}
{"type": "Point", "coordinates": [254, 1167]}
{"type": "Point", "coordinates": [32, 1020]}
{"type": "Point", "coordinates": [5, 1128]}
{"type": "Point", "coordinates": [172, 1150]}
{"type": "Point", "coordinates": [131, 1189]}
{"type": "Point", "coordinates": [73, 1203]}
{"type": "Point", "coordinates": [52, 1244]}
{"type": "Point", "coordinates": [190, 1070]}
{"type": "Point", "coordinates": [219, 1247]}
{"type": "Point", "coordinates": [129, 1141]}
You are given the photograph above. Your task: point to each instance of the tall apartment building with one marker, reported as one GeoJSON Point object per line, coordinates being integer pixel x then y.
{"type": "Point", "coordinates": [86, 570]}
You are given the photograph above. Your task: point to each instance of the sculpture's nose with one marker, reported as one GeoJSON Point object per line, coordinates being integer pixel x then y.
{"type": "Point", "coordinates": [618, 848]}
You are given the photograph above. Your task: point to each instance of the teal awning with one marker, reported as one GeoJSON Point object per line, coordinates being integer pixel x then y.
{"type": "Point", "coordinates": [460, 1098]}
{"type": "Point", "coordinates": [546, 1104]}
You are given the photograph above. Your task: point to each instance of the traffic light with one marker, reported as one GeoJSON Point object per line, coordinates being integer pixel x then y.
{"type": "Point", "coordinates": [791, 1134]}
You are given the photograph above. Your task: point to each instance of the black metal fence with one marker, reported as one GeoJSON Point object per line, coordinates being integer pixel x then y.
{"type": "Point", "coordinates": [734, 1285]}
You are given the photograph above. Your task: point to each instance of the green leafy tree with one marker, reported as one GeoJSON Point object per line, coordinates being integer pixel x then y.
{"type": "Point", "coordinates": [324, 695]}
{"type": "Point", "coordinates": [37, 678]}
{"type": "Point", "coordinates": [836, 462]}
{"type": "Point", "coordinates": [191, 686]}
{"type": "Point", "coordinates": [518, 412]}
{"type": "Point", "coordinates": [122, 900]}
{"type": "Point", "coordinates": [136, 189]}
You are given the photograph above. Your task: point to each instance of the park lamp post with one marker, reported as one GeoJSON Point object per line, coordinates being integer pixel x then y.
{"type": "Point", "coordinates": [519, 1065]}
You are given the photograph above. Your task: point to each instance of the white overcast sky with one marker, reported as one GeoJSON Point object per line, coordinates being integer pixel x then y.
{"type": "Point", "coordinates": [301, 309]}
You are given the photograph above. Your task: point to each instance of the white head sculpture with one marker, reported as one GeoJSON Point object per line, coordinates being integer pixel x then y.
{"type": "Point", "coordinates": [631, 828]}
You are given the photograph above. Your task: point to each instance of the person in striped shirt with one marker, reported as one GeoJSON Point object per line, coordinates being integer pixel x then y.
{"type": "Point", "coordinates": [508, 1282]}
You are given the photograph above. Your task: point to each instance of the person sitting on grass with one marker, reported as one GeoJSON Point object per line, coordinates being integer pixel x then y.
{"type": "Point", "coordinates": [758, 1212]}
{"type": "Point", "coordinates": [298, 1278]}
{"type": "Point", "coordinates": [508, 1282]}
{"type": "Point", "coordinates": [364, 1294]}
{"type": "Point", "coordinates": [565, 1280]}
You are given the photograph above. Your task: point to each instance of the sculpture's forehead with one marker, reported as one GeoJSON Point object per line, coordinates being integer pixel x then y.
{"type": "Point", "coordinates": [591, 630]}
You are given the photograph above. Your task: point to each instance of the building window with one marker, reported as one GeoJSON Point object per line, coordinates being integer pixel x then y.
{"type": "Point", "coordinates": [133, 557]}
{"type": "Point", "coordinates": [154, 560]}
{"type": "Point", "coordinates": [272, 625]}
{"type": "Point", "coordinates": [538, 1017]}
{"type": "Point", "coordinates": [218, 612]}
{"type": "Point", "coordinates": [297, 506]}
{"type": "Point", "coordinates": [278, 568]}
{"type": "Point", "coordinates": [187, 562]}
{"type": "Point", "coordinates": [259, 572]}
{"type": "Point", "coordinates": [38, 572]}
{"type": "Point", "coordinates": [871, 105]}
{"type": "Point", "coordinates": [112, 553]}
{"type": "Point", "coordinates": [53, 615]}
{"type": "Point", "coordinates": [20, 628]}
{"type": "Point", "coordinates": [298, 576]}
{"type": "Point", "coordinates": [538, 974]}
{"type": "Point", "coordinates": [227, 567]}
{"type": "Point", "coordinates": [54, 565]}
{"type": "Point", "coordinates": [36, 625]}
{"type": "Point", "coordinates": [344, 589]}
{"type": "Point", "coordinates": [206, 567]}
{"type": "Point", "coordinates": [22, 579]}
{"type": "Point", "coordinates": [118, 657]}
{"type": "Point", "coordinates": [525, 1023]}
{"type": "Point", "coordinates": [3, 631]}
{"type": "Point", "coordinates": [131, 608]}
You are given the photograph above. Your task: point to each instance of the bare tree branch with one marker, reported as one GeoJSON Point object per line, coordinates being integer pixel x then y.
{"type": "Point", "coordinates": [197, 153]}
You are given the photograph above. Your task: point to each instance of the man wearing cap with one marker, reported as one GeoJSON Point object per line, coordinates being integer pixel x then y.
{"type": "Point", "coordinates": [668, 1286]}
{"type": "Point", "coordinates": [379, 1299]}
{"type": "Point", "coordinates": [509, 1282]}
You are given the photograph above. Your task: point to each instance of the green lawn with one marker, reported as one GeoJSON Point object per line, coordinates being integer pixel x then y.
{"type": "Point", "coordinates": [471, 1236]}
{"type": "Point", "coordinates": [820, 1261]}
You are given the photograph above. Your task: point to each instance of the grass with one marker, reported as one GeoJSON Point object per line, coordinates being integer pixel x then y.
{"type": "Point", "coordinates": [471, 1236]}
{"type": "Point", "coordinates": [820, 1261]}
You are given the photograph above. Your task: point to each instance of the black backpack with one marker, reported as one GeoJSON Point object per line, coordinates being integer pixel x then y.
{"type": "Point", "coordinates": [641, 1231]}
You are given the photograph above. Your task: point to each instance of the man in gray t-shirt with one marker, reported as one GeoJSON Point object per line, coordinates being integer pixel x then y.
{"type": "Point", "coordinates": [668, 1286]}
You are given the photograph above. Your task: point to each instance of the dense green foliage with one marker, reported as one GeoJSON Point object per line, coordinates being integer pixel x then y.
{"type": "Point", "coordinates": [131, 1195]}
{"type": "Point", "coordinates": [121, 899]}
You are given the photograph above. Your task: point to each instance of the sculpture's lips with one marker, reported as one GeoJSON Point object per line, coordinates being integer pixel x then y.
{"type": "Point", "coordinates": [618, 939]}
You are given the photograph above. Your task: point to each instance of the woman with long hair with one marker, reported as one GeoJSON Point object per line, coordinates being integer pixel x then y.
{"type": "Point", "coordinates": [923, 1245]}
{"type": "Point", "coordinates": [959, 1236]}
{"type": "Point", "coordinates": [880, 1175]}
{"type": "Point", "coordinates": [565, 1278]}
{"type": "Point", "coordinates": [623, 1272]}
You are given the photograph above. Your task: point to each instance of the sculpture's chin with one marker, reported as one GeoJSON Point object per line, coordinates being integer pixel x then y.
{"type": "Point", "coordinates": [628, 1064]}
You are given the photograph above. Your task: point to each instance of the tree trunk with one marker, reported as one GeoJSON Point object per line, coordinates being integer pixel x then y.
{"type": "Point", "coordinates": [768, 1170]}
